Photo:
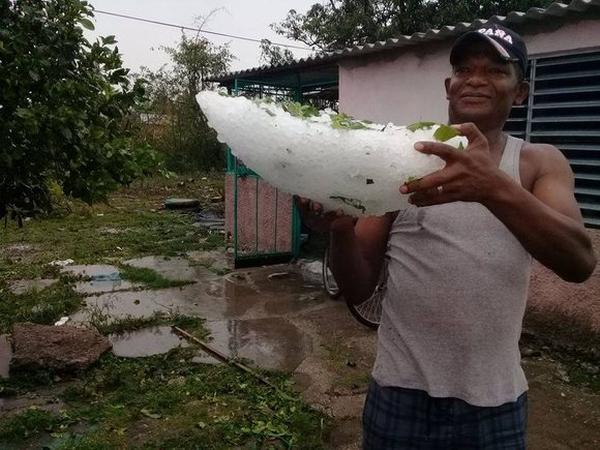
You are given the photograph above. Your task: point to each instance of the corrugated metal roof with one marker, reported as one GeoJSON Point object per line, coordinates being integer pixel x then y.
{"type": "Point", "coordinates": [515, 18]}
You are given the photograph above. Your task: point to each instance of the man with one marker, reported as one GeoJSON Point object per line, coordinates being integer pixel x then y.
{"type": "Point", "coordinates": [447, 373]}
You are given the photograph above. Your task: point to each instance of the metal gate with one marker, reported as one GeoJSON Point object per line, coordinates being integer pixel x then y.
{"type": "Point", "coordinates": [262, 222]}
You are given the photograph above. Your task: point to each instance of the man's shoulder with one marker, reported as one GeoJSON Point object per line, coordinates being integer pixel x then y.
{"type": "Point", "coordinates": [543, 158]}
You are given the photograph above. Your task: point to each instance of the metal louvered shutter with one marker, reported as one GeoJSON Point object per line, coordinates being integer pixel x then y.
{"type": "Point", "coordinates": [564, 110]}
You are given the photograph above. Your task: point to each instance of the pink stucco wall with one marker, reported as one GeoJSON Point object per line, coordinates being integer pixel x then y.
{"type": "Point", "coordinates": [407, 85]}
{"type": "Point", "coordinates": [565, 310]}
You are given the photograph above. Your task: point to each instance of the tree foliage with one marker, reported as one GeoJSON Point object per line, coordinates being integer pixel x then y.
{"type": "Point", "coordinates": [336, 24]}
{"type": "Point", "coordinates": [180, 130]}
{"type": "Point", "coordinates": [65, 107]}
{"type": "Point", "coordinates": [273, 54]}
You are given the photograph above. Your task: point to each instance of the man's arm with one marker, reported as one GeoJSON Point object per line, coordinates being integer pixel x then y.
{"type": "Point", "coordinates": [357, 254]}
{"type": "Point", "coordinates": [546, 221]}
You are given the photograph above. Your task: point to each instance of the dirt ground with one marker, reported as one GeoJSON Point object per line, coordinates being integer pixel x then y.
{"type": "Point", "coordinates": [562, 415]}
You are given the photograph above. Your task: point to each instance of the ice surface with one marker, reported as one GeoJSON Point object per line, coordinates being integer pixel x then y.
{"type": "Point", "coordinates": [357, 170]}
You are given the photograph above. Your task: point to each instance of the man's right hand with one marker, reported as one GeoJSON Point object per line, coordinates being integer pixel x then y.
{"type": "Point", "coordinates": [316, 219]}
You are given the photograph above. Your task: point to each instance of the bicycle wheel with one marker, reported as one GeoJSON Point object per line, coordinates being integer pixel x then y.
{"type": "Point", "coordinates": [369, 312]}
{"type": "Point", "coordinates": [329, 283]}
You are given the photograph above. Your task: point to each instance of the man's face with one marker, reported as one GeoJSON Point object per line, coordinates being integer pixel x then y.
{"type": "Point", "coordinates": [483, 88]}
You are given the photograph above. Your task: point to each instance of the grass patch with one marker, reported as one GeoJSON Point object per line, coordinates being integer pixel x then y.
{"type": "Point", "coordinates": [106, 324]}
{"type": "Point", "coordinates": [167, 401]}
{"type": "Point", "coordinates": [149, 277]}
{"type": "Point", "coordinates": [45, 306]}
{"type": "Point", "coordinates": [20, 427]}
{"type": "Point", "coordinates": [131, 224]}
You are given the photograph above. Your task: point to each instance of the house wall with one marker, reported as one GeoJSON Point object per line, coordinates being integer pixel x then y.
{"type": "Point", "coordinates": [407, 86]}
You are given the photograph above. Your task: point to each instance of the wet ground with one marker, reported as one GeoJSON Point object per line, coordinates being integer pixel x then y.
{"type": "Point", "coordinates": [278, 317]}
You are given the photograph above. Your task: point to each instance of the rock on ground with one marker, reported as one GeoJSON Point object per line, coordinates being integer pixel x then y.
{"type": "Point", "coordinates": [62, 348]}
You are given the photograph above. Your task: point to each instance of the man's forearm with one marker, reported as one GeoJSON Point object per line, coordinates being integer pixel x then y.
{"type": "Point", "coordinates": [554, 239]}
{"type": "Point", "coordinates": [353, 273]}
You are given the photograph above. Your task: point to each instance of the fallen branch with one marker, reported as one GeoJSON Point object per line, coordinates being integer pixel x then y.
{"type": "Point", "coordinates": [224, 358]}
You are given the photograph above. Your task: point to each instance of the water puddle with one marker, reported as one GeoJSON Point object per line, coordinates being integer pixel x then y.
{"type": "Point", "coordinates": [240, 295]}
{"type": "Point", "coordinates": [272, 343]}
{"type": "Point", "coordinates": [177, 268]}
{"type": "Point", "coordinates": [100, 278]}
{"type": "Point", "coordinates": [95, 272]}
{"type": "Point", "coordinates": [216, 260]}
{"type": "Point", "coordinates": [5, 356]}
{"type": "Point", "coordinates": [146, 342]}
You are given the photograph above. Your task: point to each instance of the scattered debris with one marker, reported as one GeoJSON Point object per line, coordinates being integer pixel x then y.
{"type": "Point", "coordinates": [181, 203]}
{"type": "Point", "coordinates": [62, 321]}
{"type": "Point", "coordinates": [64, 263]}
{"type": "Point", "coordinates": [57, 348]}
{"type": "Point", "coordinates": [530, 353]}
{"type": "Point", "coordinates": [150, 414]}
{"type": "Point", "coordinates": [224, 358]}
{"type": "Point", "coordinates": [592, 369]}
{"type": "Point", "coordinates": [563, 375]}
{"type": "Point", "coordinates": [277, 275]}
{"type": "Point", "coordinates": [210, 220]}
{"type": "Point", "coordinates": [312, 271]}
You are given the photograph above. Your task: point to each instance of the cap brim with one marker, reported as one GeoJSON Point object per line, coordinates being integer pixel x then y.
{"type": "Point", "coordinates": [473, 36]}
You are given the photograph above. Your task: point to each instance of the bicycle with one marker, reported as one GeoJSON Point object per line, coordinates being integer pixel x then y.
{"type": "Point", "coordinates": [368, 312]}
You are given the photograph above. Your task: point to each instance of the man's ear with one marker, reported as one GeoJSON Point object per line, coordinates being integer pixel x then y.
{"type": "Point", "coordinates": [522, 93]}
{"type": "Point", "coordinates": [447, 85]}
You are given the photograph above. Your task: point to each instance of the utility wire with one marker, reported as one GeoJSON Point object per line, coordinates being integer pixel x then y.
{"type": "Point", "coordinates": [182, 27]}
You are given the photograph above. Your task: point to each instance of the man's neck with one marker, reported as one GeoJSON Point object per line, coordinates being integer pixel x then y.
{"type": "Point", "coordinates": [496, 140]}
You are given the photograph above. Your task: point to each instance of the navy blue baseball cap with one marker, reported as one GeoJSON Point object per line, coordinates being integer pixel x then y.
{"type": "Point", "coordinates": [509, 45]}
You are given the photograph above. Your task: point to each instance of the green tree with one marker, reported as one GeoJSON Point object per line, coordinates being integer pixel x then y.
{"type": "Point", "coordinates": [336, 24]}
{"type": "Point", "coordinates": [274, 54]}
{"type": "Point", "coordinates": [65, 108]}
{"type": "Point", "coordinates": [180, 130]}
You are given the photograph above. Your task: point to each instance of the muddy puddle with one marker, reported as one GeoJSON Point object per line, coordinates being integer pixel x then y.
{"type": "Point", "coordinates": [99, 278]}
{"type": "Point", "coordinates": [177, 268]}
{"type": "Point", "coordinates": [239, 295]}
{"type": "Point", "coordinates": [146, 342]}
{"type": "Point", "coordinates": [272, 343]}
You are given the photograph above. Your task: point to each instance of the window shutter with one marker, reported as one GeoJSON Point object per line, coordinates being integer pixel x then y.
{"type": "Point", "coordinates": [564, 110]}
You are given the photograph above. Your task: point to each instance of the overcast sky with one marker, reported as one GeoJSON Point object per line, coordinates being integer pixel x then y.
{"type": "Point", "coordinates": [140, 42]}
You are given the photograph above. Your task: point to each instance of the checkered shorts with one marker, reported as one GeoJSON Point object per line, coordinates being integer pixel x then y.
{"type": "Point", "coordinates": [398, 418]}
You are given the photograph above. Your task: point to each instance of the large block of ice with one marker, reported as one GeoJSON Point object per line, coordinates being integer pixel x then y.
{"type": "Point", "coordinates": [344, 164]}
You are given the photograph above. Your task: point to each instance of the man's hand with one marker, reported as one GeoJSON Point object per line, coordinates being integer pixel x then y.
{"type": "Point", "coordinates": [316, 219]}
{"type": "Point", "coordinates": [469, 176]}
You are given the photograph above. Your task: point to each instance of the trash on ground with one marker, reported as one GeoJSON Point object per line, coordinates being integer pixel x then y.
{"type": "Point", "coordinates": [63, 263]}
{"type": "Point", "coordinates": [181, 203]}
{"type": "Point", "coordinates": [61, 321]}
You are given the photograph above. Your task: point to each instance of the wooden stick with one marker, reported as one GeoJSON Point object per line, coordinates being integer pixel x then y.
{"type": "Point", "coordinates": [224, 358]}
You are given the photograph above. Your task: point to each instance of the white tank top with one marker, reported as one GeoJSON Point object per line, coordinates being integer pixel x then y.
{"type": "Point", "coordinates": [456, 293]}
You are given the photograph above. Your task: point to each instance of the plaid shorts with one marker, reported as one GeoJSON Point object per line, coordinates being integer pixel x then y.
{"type": "Point", "coordinates": [399, 418]}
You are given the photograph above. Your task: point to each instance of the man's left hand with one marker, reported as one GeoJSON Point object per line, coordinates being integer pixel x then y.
{"type": "Point", "coordinates": [468, 176]}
